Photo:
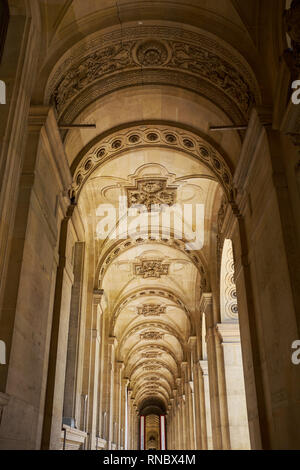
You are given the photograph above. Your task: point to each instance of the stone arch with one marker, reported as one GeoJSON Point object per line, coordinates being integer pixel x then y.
{"type": "Point", "coordinates": [155, 292]}
{"type": "Point", "coordinates": [145, 135]}
{"type": "Point", "coordinates": [120, 246]}
{"type": "Point", "coordinates": [71, 87]}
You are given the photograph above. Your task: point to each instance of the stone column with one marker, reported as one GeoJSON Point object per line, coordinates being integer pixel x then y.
{"type": "Point", "coordinates": [72, 395]}
{"type": "Point", "coordinates": [169, 426]}
{"type": "Point", "coordinates": [119, 367]}
{"type": "Point", "coordinates": [267, 285]}
{"type": "Point", "coordinates": [136, 433]}
{"type": "Point", "coordinates": [35, 254]}
{"type": "Point", "coordinates": [222, 394]}
{"type": "Point", "coordinates": [196, 394]}
{"type": "Point", "coordinates": [177, 440]}
{"type": "Point", "coordinates": [235, 388]}
{"type": "Point", "coordinates": [189, 415]}
{"type": "Point", "coordinates": [58, 345]}
{"type": "Point", "coordinates": [129, 420]}
{"type": "Point", "coordinates": [124, 385]}
{"type": "Point", "coordinates": [93, 337]}
{"type": "Point", "coordinates": [109, 399]}
{"type": "Point", "coordinates": [206, 309]}
{"type": "Point", "coordinates": [206, 427]}
{"type": "Point", "coordinates": [182, 430]}
{"type": "Point", "coordinates": [19, 64]}
{"type": "Point", "coordinates": [132, 422]}
{"type": "Point", "coordinates": [195, 417]}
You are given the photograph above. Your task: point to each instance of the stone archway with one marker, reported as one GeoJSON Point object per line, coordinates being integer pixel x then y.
{"type": "Point", "coordinates": [116, 330]}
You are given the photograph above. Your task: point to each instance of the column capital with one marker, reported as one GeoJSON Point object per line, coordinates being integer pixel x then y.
{"type": "Point", "coordinates": [37, 118]}
{"type": "Point", "coordinates": [120, 365]}
{"type": "Point", "coordinates": [97, 296]}
{"type": "Point", "coordinates": [125, 381]}
{"type": "Point", "coordinates": [178, 381]}
{"type": "Point", "coordinates": [112, 341]}
{"type": "Point", "coordinates": [206, 302]}
{"type": "Point", "coordinates": [192, 341]}
{"type": "Point", "coordinates": [204, 367]}
{"type": "Point", "coordinates": [229, 332]}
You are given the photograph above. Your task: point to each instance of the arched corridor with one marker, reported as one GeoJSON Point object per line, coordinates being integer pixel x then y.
{"type": "Point", "coordinates": [149, 255]}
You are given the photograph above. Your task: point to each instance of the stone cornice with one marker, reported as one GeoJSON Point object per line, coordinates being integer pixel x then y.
{"type": "Point", "coordinates": [229, 332]}
{"type": "Point", "coordinates": [205, 303]}
{"type": "Point", "coordinates": [204, 367]}
{"type": "Point", "coordinates": [97, 296]}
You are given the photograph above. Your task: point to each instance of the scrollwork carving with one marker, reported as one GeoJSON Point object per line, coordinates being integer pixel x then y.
{"type": "Point", "coordinates": [172, 49]}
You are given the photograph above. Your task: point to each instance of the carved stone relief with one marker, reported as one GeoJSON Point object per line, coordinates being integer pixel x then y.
{"type": "Point", "coordinates": [151, 335]}
{"type": "Point", "coordinates": [151, 310]}
{"type": "Point", "coordinates": [151, 269]}
{"type": "Point", "coordinates": [171, 50]}
{"type": "Point", "coordinates": [150, 192]}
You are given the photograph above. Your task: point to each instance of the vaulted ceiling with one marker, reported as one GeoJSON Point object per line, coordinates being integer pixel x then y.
{"type": "Point", "coordinates": [153, 76]}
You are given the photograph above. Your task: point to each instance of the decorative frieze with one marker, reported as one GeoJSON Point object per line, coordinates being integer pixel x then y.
{"type": "Point", "coordinates": [187, 53]}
